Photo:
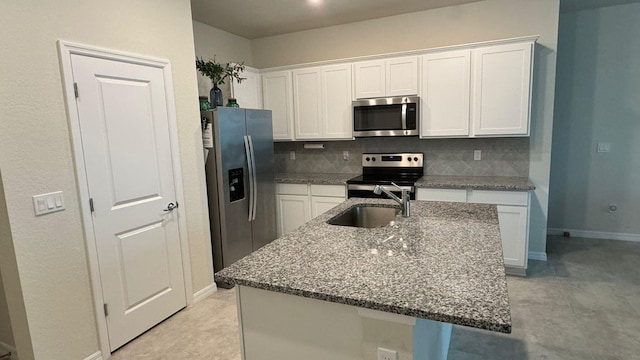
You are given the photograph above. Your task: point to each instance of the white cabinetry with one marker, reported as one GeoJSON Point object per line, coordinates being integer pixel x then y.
{"type": "Point", "coordinates": [445, 94]}
{"type": "Point", "coordinates": [248, 93]}
{"type": "Point", "coordinates": [497, 105]}
{"type": "Point", "coordinates": [299, 203]}
{"type": "Point", "coordinates": [278, 97]}
{"type": "Point", "coordinates": [502, 78]}
{"type": "Point", "coordinates": [513, 215]}
{"type": "Point", "coordinates": [307, 103]}
{"type": "Point", "coordinates": [322, 102]}
{"type": "Point", "coordinates": [386, 77]}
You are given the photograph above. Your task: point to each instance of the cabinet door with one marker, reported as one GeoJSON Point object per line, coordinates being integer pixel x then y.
{"type": "Point", "coordinates": [514, 232]}
{"type": "Point", "coordinates": [401, 76]}
{"type": "Point", "coordinates": [445, 94]}
{"type": "Point", "coordinates": [307, 103]}
{"type": "Point", "coordinates": [248, 93]}
{"type": "Point", "coordinates": [370, 79]}
{"type": "Point", "coordinates": [336, 100]}
{"type": "Point", "coordinates": [502, 76]}
{"type": "Point", "coordinates": [321, 204]}
{"type": "Point", "coordinates": [293, 211]}
{"type": "Point", "coordinates": [277, 97]}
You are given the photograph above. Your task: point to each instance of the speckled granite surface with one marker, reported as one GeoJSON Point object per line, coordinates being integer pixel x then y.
{"type": "Point", "coordinates": [317, 179]}
{"type": "Point", "coordinates": [444, 263]}
{"type": "Point", "coordinates": [476, 182]}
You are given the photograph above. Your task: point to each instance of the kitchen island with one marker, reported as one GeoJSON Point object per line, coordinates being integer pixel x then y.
{"type": "Point", "coordinates": [326, 290]}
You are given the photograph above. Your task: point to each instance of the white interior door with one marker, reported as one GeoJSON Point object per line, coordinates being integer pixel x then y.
{"type": "Point", "coordinates": [124, 124]}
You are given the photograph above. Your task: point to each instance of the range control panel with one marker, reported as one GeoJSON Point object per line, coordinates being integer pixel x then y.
{"type": "Point", "coordinates": [392, 160]}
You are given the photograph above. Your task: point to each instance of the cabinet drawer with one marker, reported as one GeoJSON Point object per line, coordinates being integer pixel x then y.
{"type": "Point", "coordinates": [329, 190]}
{"type": "Point", "coordinates": [518, 198]}
{"type": "Point", "coordinates": [452, 195]}
{"type": "Point", "coordinates": [292, 189]}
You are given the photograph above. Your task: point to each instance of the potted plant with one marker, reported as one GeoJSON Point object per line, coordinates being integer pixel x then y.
{"type": "Point", "coordinates": [218, 73]}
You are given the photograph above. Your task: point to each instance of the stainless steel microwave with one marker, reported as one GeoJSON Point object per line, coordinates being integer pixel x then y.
{"type": "Point", "coordinates": [394, 116]}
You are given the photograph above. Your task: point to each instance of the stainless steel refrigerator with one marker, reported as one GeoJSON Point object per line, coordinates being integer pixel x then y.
{"type": "Point", "coordinates": [240, 183]}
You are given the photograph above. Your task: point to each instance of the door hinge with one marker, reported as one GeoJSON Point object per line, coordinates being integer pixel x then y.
{"type": "Point", "coordinates": [91, 205]}
{"type": "Point", "coordinates": [106, 310]}
{"type": "Point", "coordinates": [75, 89]}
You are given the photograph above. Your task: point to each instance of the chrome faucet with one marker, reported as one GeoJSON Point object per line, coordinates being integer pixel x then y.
{"type": "Point", "coordinates": [403, 200]}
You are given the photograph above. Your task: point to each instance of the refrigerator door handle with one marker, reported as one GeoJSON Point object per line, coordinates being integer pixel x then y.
{"type": "Point", "coordinates": [254, 175]}
{"type": "Point", "coordinates": [249, 152]}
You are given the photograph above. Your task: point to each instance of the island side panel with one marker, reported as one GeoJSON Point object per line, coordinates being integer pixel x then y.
{"type": "Point", "coordinates": [277, 326]}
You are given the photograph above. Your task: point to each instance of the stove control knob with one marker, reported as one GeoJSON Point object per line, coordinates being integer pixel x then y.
{"type": "Point", "coordinates": [415, 159]}
{"type": "Point", "coordinates": [367, 158]}
{"type": "Point", "coordinates": [409, 158]}
{"type": "Point", "coordinates": [373, 159]}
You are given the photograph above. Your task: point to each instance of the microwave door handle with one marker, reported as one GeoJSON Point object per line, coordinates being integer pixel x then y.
{"type": "Point", "coordinates": [404, 116]}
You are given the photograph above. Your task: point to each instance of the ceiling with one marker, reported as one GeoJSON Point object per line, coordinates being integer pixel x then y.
{"type": "Point", "coordinates": [253, 19]}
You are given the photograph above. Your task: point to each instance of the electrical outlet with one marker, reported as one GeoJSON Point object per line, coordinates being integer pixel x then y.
{"type": "Point", "coordinates": [292, 155]}
{"type": "Point", "coordinates": [477, 154]}
{"type": "Point", "coordinates": [604, 147]}
{"type": "Point", "coordinates": [345, 155]}
{"type": "Point", "coordinates": [386, 354]}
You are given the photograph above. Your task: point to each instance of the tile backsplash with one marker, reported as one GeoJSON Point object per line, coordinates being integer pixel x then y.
{"type": "Point", "coordinates": [500, 156]}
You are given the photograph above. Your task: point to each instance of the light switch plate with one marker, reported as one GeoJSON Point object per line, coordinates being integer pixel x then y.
{"type": "Point", "coordinates": [477, 154]}
{"type": "Point", "coordinates": [604, 147]}
{"type": "Point", "coordinates": [48, 203]}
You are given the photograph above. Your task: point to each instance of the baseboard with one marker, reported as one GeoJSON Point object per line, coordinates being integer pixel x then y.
{"type": "Point", "coordinates": [596, 234]}
{"type": "Point", "coordinates": [538, 255]}
{"type": "Point", "coordinates": [95, 356]}
{"type": "Point", "coordinates": [5, 348]}
{"type": "Point", "coordinates": [204, 293]}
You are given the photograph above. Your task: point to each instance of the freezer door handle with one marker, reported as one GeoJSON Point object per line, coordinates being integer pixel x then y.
{"type": "Point", "coordinates": [249, 152]}
{"type": "Point", "coordinates": [254, 176]}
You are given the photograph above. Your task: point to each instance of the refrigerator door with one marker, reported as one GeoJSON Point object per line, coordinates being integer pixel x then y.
{"type": "Point", "coordinates": [259, 129]}
{"type": "Point", "coordinates": [233, 185]}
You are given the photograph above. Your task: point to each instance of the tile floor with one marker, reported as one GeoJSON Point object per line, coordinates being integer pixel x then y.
{"type": "Point", "coordinates": [583, 303]}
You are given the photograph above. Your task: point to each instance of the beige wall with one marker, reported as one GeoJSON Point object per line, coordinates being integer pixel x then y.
{"type": "Point", "coordinates": [36, 156]}
{"type": "Point", "coordinates": [475, 22]}
{"type": "Point", "coordinates": [598, 88]}
{"type": "Point", "coordinates": [6, 335]}
{"type": "Point", "coordinates": [16, 330]}
{"type": "Point", "coordinates": [226, 47]}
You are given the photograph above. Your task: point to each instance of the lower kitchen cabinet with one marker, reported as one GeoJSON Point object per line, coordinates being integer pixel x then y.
{"type": "Point", "coordinates": [299, 203]}
{"type": "Point", "coordinates": [513, 215]}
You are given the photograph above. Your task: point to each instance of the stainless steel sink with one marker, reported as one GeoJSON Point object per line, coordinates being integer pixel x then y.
{"type": "Point", "coordinates": [366, 216]}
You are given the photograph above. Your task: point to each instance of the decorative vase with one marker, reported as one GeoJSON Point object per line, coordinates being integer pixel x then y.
{"type": "Point", "coordinates": [232, 103]}
{"type": "Point", "coordinates": [215, 96]}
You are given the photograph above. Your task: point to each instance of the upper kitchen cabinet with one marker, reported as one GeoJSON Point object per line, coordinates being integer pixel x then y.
{"type": "Point", "coordinates": [248, 93]}
{"type": "Point", "coordinates": [477, 92]}
{"type": "Point", "coordinates": [386, 77]}
{"type": "Point", "coordinates": [445, 94]}
{"type": "Point", "coordinates": [322, 102]}
{"type": "Point", "coordinates": [277, 97]}
{"type": "Point", "coordinates": [502, 88]}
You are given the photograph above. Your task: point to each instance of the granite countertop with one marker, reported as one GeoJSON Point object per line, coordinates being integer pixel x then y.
{"type": "Point", "coordinates": [316, 179]}
{"type": "Point", "coordinates": [444, 263]}
{"type": "Point", "coordinates": [512, 183]}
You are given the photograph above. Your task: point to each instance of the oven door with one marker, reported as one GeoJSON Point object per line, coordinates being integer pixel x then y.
{"type": "Point", "coordinates": [386, 117]}
{"type": "Point", "coordinates": [366, 191]}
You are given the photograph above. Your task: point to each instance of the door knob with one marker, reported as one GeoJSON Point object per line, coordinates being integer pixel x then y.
{"type": "Point", "coordinates": [171, 206]}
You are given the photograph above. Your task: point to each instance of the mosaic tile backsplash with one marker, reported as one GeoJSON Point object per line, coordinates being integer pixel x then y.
{"type": "Point", "coordinates": [500, 156]}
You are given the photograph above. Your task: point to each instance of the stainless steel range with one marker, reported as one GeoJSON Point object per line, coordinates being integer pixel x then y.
{"type": "Point", "coordinates": [403, 169]}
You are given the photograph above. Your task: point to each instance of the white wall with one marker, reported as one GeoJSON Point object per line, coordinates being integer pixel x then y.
{"type": "Point", "coordinates": [598, 100]}
{"type": "Point", "coordinates": [226, 47]}
{"type": "Point", "coordinates": [35, 157]}
{"type": "Point", "coordinates": [475, 22]}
